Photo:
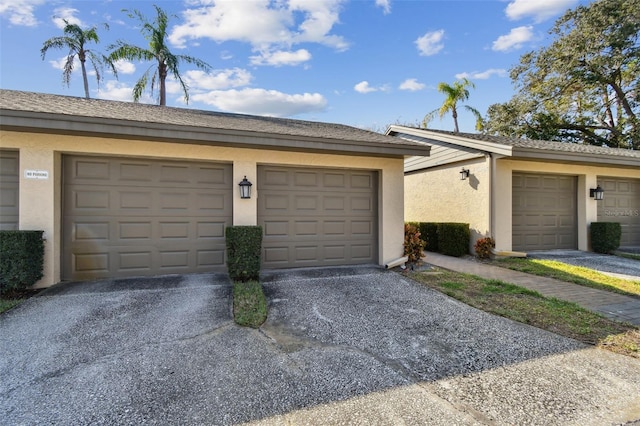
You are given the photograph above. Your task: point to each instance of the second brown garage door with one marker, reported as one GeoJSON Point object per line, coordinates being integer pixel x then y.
{"type": "Point", "coordinates": [621, 204]}
{"type": "Point", "coordinates": [544, 212]}
{"type": "Point", "coordinates": [317, 217]}
{"type": "Point", "coordinates": [128, 217]}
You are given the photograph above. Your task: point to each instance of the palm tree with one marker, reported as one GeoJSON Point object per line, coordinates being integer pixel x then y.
{"type": "Point", "coordinates": [75, 39]}
{"type": "Point", "coordinates": [156, 33]}
{"type": "Point", "coordinates": [455, 93]}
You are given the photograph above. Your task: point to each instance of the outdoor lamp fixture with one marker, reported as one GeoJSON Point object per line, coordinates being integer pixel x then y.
{"type": "Point", "coordinates": [597, 193]}
{"type": "Point", "coordinates": [245, 188]}
{"type": "Point", "coordinates": [464, 174]}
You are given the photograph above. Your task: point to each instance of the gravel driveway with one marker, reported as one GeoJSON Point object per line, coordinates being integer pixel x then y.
{"type": "Point", "coordinates": [341, 346]}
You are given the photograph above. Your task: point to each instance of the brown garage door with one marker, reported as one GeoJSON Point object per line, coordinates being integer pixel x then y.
{"type": "Point", "coordinates": [317, 217]}
{"type": "Point", "coordinates": [9, 189]}
{"type": "Point", "coordinates": [128, 217]}
{"type": "Point", "coordinates": [544, 212]}
{"type": "Point", "coordinates": [621, 203]}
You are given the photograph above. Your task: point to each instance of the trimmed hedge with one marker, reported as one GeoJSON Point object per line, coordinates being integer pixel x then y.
{"type": "Point", "coordinates": [21, 259]}
{"type": "Point", "coordinates": [429, 234]}
{"type": "Point", "coordinates": [605, 236]}
{"type": "Point", "coordinates": [450, 238]}
{"type": "Point", "coordinates": [453, 238]}
{"type": "Point", "coordinates": [244, 246]}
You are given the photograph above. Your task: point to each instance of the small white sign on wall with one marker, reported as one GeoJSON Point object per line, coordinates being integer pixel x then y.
{"type": "Point", "coordinates": [36, 174]}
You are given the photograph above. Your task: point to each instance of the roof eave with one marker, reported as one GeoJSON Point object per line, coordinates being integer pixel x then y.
{"type": "Point", "coordinates": [533, 154]}
{"type": "Point", "coordinates": [488, 147]}
{"type": "Point", "coordinates": [94, 126]}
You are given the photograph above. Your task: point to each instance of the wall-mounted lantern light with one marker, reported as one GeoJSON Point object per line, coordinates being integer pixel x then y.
{"type": "Point", "coordinates": [464, 174]}
{"type": "Point", "coordinates": [245, 188]}
{"type": "Point", "coordinates": [597, 193]}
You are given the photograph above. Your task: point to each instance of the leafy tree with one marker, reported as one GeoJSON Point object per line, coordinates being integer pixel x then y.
{"type": "Point", "coordinates": [585, 86]}
{"type": "Point", "coordinates": [76, 39]}
{"type": "Point", "coordinates": [455, 93]}
{"type": "Point", "coordinates": [165, 62]}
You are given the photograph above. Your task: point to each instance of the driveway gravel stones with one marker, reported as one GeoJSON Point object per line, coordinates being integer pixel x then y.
{"type": "Point", "coordinates": [340, 346]}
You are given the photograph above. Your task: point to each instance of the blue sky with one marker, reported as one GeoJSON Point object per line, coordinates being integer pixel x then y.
{"type": "Point", "coordinates": [365, 63]}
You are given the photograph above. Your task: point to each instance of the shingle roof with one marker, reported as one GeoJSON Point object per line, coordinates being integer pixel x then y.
{"type": "Point", "coordinates": [142, 113]}
{"type": "Point", "coordinates": [545, 145]}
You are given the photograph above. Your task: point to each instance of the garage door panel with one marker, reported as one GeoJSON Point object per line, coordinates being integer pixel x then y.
{"type": "Point", "coordinates": [317, 217]}
{"type": "Point", "coordinates": [90, 170]}
{"type": "Point", "coordinates": [544, 212]}
{"type": "Point", "coordinates": [334, 227]}
{"type": "Point", "coordinates": [621, 204]}
{"type": "Point", "coordinates": [137, 260]}
{"type": "Point", "coordinates": [144, 217]}
{"type": "Point", "coordinates": [9, 189]}
{"type": "Point", "coordinates": [306, 228]}
{"type": "Point", "coordinates": [334, 180]}
{"type": "Point", "coordinates": [306, 202]}
{"type": "Point", "coordinates": [305, 179]}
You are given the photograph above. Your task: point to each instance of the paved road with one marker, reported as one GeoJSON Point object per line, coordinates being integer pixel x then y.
{"type": "Point", "coordinates": [341, 346]}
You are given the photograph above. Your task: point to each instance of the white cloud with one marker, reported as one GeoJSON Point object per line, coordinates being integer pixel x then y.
{"type": "Point", "coordinates": [263, 102]}
{"type": "Point", "coordinates": [20, 12]}
{"type": "Point", "coordinates": [218, 79]}
{"type": "Point", "coordinates": [412, 85]}
{"type": "Point", "coordinates": [363, 87]}
{"type": "Point", "coordinates": [430, 43]}
{"type": "Point", "coordinates": [281, 57]}
{"type": "Point", "coordinates": [117, 91]}
{"type": "Point", "coordinates": [59, 63]}
{"type": "Point", "coordinates": [124, 67]}
{"type": "Point", "coordinates": [65, 13]}
{"type": "Point", "coordinates": [483, 75]}
{"type": "Point", "coordinates": [385, 5]}
{"type": "Point", "coordinates": [514, 40]}
{"type": "Point", "coordinates": [266, 25]}
{"type": "Point", "coordinates": [539, 10]}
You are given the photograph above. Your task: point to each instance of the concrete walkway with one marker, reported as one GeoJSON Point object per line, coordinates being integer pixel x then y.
{"type": "Point", "coordinates": [612, 305]}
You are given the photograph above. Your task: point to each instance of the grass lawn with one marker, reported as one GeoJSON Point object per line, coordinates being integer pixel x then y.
{"type": "Point", "coordinates": [529, 307]}
{"type": "Point", "coordinates": [573, 274]}
{"type": "Point", "coordinates": [13, 298]}
{"type": "Point", "coordinates": [249, 304]}
{"type": "Point", "coordinates": [6, 304]}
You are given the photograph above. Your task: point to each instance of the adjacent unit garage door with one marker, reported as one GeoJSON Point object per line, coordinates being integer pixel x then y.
{"type": "Point", "coordinates": [621, 203]}
{"type": "Point", "coordinates": [544, 212]}
{"type": "Point", "coordinates": [317, 217]}
{"type": "Point", "coordinates": [129, 217]}
{"type": "Point", "coordinates": [9, 189]}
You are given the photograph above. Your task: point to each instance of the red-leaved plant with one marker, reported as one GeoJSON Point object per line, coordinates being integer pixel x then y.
{"type": "Point", "coordinates": [413, 244]}
{"type": "Point", "coordinates": [483, 247]}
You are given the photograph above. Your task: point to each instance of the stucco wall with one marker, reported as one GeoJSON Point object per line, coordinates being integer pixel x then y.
{"type": "Point", "coordinates": [438, 195]}
{"type": "Point", "coordinates": [587, 208]}
{"type": "Point", "coordinates": [40, 199]}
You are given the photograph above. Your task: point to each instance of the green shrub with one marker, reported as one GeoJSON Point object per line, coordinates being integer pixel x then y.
{"type": "Point", "coordinates": [21, 259]}
{"type": "Point", "coordinates": [244, 245]}
{"type": "Point", "coordinates": [429, 234]}
{"type": "Point", "coordinates": [453, 238]}
{"type": "Point", "coordinates": [483, 247]}
{"type": "Point", "coordinates": [605, 236]}
{"type": "Point", "coordinates": [413, 244]}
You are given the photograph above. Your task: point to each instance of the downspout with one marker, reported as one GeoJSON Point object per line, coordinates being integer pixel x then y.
{"type": "Point", "coordinates": [492, 189]}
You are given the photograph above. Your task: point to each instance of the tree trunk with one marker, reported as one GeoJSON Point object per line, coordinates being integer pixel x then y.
{"type": "Point", "coordinates": [84, 74]}
{"type": "Point", "coordinates": [162, 73]}
{"type": "Point", "coordinates": [454, 113]}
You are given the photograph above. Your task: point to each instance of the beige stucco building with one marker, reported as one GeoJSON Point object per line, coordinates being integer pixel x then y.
{"type": "Point", "coordinates": [528, 195]}
{"type": "Point", "coordinates": [123, 189]}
